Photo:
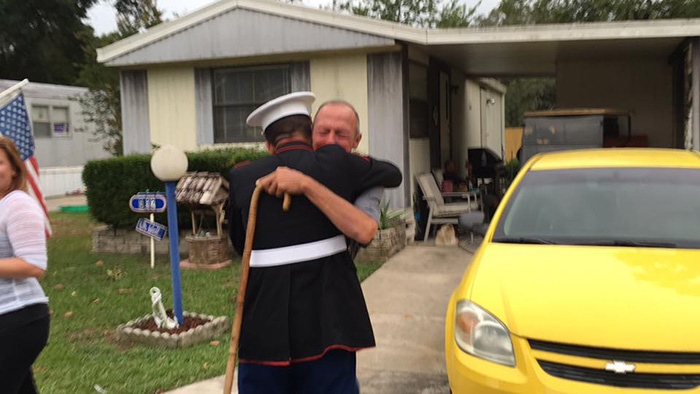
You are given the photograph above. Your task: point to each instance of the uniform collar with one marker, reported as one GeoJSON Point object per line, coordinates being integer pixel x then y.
{"type": "Point", "coordinates": [295, 144]}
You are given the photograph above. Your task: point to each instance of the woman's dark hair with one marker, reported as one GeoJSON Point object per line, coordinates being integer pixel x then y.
{"type": "Point", "coordinates": [287, 127]}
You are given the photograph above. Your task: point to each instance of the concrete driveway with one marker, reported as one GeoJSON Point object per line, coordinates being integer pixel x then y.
{"type": "Point", "coordinates": [407, 299]}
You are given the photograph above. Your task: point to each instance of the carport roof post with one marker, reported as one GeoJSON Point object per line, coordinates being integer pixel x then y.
{"type": "Point", "coordinates": [695, 115]}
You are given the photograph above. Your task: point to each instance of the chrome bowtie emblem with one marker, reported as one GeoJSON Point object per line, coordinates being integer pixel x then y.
{"type": "Point", "coordinates": [620, 367]}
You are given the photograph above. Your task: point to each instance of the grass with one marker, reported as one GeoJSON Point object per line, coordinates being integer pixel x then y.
{"type": "Point", "coordinates": [366, 269]}
{"type": "Point", "coordinates": [89, 300]}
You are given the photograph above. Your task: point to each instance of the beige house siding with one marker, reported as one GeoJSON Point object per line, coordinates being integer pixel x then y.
{"type": "Point", "coordinates": [641, 86]}
{"type": "Point", "coordinates": [343, 77]}
{"type": "Point", "coordinates": [172, 107]}
{"type": "Point", "coordinates": [171, 102]}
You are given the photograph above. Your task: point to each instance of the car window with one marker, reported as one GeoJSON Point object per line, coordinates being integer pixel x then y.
{"type": "Point", "coordinates": [588, 206]}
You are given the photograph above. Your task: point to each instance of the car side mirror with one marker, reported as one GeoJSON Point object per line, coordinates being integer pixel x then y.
{"type": "Point", "coordinates": [470, 219]}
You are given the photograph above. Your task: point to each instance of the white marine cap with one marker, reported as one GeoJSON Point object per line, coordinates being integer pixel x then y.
{"type": "Point", "coordinates": [297, 103]}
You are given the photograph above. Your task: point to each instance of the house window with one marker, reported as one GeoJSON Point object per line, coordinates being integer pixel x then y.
{"type": "Point", "coordinates": [237, 92]}
{"type": "Point", "coordinates": [49, 121]}
{"type": "Point", "coordinates": [40, 121]}
{"type": "Point", "coordinates": [59, 117]}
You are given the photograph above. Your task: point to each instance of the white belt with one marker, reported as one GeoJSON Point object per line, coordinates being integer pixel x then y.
{"type": "Point", "coordinates": [298, 253]}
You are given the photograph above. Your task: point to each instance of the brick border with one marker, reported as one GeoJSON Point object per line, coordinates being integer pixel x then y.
{"type": "Point", "coordinates": [212, 329]}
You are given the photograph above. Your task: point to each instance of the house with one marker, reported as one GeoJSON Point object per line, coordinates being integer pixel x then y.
{"type": "Point", "coordinates": [63, 140]}
{"type": "Point", "coordinates": [423, 96]}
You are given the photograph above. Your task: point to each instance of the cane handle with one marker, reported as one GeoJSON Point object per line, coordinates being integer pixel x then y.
{"type": "Point", "coordinates": [287, 202]}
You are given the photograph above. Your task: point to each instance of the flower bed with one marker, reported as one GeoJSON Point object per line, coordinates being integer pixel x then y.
{"type": "Point", "coordinates": [194, 329]}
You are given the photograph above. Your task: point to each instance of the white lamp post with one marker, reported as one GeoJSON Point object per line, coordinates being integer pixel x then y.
{"type": "Point", "coordinates": [169, 164]}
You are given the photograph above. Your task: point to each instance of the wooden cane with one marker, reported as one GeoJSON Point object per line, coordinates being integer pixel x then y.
{"type": "Point", "coordinates": [245, 269]}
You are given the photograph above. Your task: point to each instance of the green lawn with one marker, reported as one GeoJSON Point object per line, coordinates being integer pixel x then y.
{"type": "Point", "coordinates": [89, 301]}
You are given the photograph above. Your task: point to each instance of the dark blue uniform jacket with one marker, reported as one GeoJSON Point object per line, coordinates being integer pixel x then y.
{"type": "Point", "coordinates": [297, 312]}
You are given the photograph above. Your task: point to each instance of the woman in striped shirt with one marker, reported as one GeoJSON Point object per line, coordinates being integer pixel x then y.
{"type": "Point", "coordinates": [24, 312]}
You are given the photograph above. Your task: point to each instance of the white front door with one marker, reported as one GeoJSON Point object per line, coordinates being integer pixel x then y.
{"type": "Point", "coordinates": [491, 121]}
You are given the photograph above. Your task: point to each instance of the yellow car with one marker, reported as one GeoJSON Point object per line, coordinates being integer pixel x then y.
{"type": "Point", "coordinates": [588, 280]}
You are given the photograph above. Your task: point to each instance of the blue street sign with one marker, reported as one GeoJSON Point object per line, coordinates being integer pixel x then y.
{"type": "Point", "coordinates": [148, 203]}
{"type": "Point", "coordinates": [151, 229]}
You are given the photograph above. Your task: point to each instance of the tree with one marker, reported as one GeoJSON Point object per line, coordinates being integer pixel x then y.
{"type": "Point", "coordinates": [455, 14]}
{"type": "Point", "coordinates": [43, 40]}
{"type": "Point", "coordinates": [508, 12]}
{"type": "Point", "coordinates": [527, 94]}
{"type": "Point", "coordinates": [419, 13]}
{"type": "Point", "coordinates": [101, 106]}
{"type": "Point", "coordinates": [135, 16]}
{"type": "Point", "coordinates": [520, 12]}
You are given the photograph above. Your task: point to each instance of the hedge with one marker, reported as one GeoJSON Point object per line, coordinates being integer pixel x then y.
{"type": "Point", "coordinates": [111, 182]}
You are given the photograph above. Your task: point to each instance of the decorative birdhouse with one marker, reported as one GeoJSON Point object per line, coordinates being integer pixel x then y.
{"type": "Point", "coordinates": [205, 194]}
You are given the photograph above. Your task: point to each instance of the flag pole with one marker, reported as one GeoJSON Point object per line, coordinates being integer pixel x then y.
{"type": "Point", "coordinates": [14, 88]}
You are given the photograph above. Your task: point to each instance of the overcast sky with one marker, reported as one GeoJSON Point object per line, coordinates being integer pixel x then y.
{"type": "Point", "coordinates": [103, 17]}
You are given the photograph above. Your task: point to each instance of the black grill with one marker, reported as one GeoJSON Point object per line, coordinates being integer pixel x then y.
{"type": "Point", "coordinates": [633, 380]}
{"type": "Point", "coordinates": [633, 356]}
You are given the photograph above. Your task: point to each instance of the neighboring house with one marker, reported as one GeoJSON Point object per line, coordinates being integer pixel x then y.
{"type": "Point", "coordinates": [423, 96]}
{"type": "Point", "coordinates": [63, 140]}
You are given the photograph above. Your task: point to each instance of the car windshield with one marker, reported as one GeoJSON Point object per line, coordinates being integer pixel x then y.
{"type": "Point", "coordinates": [654, 207]}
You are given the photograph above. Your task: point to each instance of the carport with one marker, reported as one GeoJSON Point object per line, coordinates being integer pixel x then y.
{"type": "Point", "coordinates": [649, 68]}
{"type": "Point", "coordinates": [423, 95]}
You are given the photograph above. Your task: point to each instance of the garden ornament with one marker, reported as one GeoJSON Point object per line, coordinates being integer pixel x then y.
{"type": "Point", "coordinates": [162, 320]}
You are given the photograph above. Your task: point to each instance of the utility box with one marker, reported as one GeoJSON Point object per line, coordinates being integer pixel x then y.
{"type": "Point", "coordinates": [567, 129]}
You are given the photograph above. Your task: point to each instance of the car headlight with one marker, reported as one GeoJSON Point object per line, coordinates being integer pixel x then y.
{"type": "Point", "coordinates": [480, 334]}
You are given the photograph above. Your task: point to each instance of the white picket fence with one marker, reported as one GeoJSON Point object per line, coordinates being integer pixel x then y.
{"type": "Point", "coordinates": [59, 181]}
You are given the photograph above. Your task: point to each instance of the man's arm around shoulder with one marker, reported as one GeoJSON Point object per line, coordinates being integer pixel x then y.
{"type": "Point", "coordinates": [365, 171]}
{"type": "Point", "coordinates": [350, 220]}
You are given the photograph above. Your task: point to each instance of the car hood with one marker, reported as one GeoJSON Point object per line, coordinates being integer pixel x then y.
{"type": "Point", "coordinates": [617, 297]}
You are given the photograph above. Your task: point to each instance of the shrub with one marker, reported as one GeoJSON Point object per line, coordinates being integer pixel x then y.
{"type": "Point", "coordinates": [512, 168]}
{"type": "Point", "coordinates": [111, 182]}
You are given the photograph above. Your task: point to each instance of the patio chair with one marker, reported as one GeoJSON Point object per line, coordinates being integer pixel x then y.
{"type": "Point", "coordinates": [438, 174]}
{"type": "Point", "coordinates": [438, 211]}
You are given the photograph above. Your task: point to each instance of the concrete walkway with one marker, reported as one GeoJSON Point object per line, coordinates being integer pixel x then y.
{"type": "Point", "coordinates": [407, 299]}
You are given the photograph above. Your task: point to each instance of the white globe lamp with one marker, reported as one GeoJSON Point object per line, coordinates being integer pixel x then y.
{"type": "Point", "coordinates": [169, 163]}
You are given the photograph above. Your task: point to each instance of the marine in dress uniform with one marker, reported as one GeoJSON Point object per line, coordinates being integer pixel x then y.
{"type": "Point", "coordinates": [305, 315]}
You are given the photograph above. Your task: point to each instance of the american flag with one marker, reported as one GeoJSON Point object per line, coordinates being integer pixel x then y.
{"type": "Point", "coordinates": [15, 125]}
